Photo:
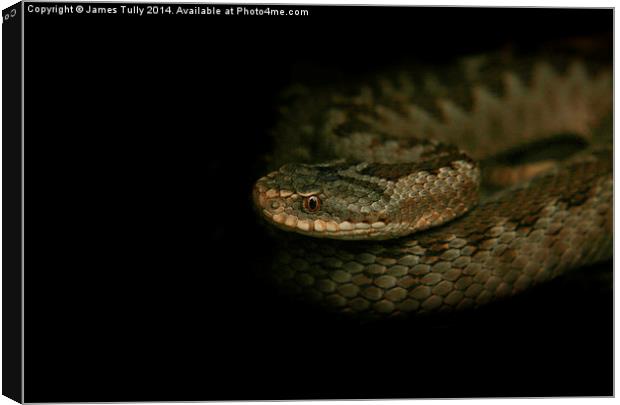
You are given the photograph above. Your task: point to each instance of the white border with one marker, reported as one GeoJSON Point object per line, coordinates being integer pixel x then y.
{"type": "Point", "coordinates": [480, 3]}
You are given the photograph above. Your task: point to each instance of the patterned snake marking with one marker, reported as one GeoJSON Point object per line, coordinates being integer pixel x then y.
{"type": "Point", "coordinates": [395, 221]}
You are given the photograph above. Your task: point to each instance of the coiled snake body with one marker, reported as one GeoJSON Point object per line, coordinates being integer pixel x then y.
{"type": "Point", "coordinates": [382, 213]}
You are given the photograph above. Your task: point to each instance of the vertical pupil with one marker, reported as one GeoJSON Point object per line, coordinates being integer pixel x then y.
{"type": "Point", "coordinates": [312, 203]}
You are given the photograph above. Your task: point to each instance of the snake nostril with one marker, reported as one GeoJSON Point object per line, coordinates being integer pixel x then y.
{"type": "Point", "coordinates": [260, 199]}
{"type": "Point", "coordinates": [275, 204]}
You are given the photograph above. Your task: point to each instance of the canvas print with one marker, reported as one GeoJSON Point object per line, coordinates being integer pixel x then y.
{"type": "Point", "coordinates": [214, 202]}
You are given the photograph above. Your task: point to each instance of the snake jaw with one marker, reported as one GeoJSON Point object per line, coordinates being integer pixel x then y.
{"type": "Point", "coordinates": [324, 227]}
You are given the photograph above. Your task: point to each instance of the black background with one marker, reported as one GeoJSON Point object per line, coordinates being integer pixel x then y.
{"type": "Point", "coordinates": [143, 262]}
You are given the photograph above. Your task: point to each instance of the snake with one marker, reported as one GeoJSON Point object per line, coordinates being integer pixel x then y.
{"type": "Point", "coordinates": [408, 192]}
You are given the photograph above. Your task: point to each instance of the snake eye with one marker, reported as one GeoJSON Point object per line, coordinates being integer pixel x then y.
{"type": "Point", "coordinates": [312, 203]}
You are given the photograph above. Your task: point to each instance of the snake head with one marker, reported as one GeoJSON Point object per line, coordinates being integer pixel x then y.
{"type": "Point", "coordinates": [347, 200]}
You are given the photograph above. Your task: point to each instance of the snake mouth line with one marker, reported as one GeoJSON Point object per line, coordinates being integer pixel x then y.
{"type": "Point", "coordinates": [319, 227]}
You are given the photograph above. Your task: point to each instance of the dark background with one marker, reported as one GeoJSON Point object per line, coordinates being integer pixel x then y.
{"type": "Point", "coordinates": [143, 264]}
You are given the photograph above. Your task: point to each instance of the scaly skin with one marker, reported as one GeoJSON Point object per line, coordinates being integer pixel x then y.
{"type": "Point", "coordinates": [422, 243]}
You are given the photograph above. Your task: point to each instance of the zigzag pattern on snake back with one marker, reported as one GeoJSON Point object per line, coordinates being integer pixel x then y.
{"type": "Point", "coordinates": [381, 214]}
